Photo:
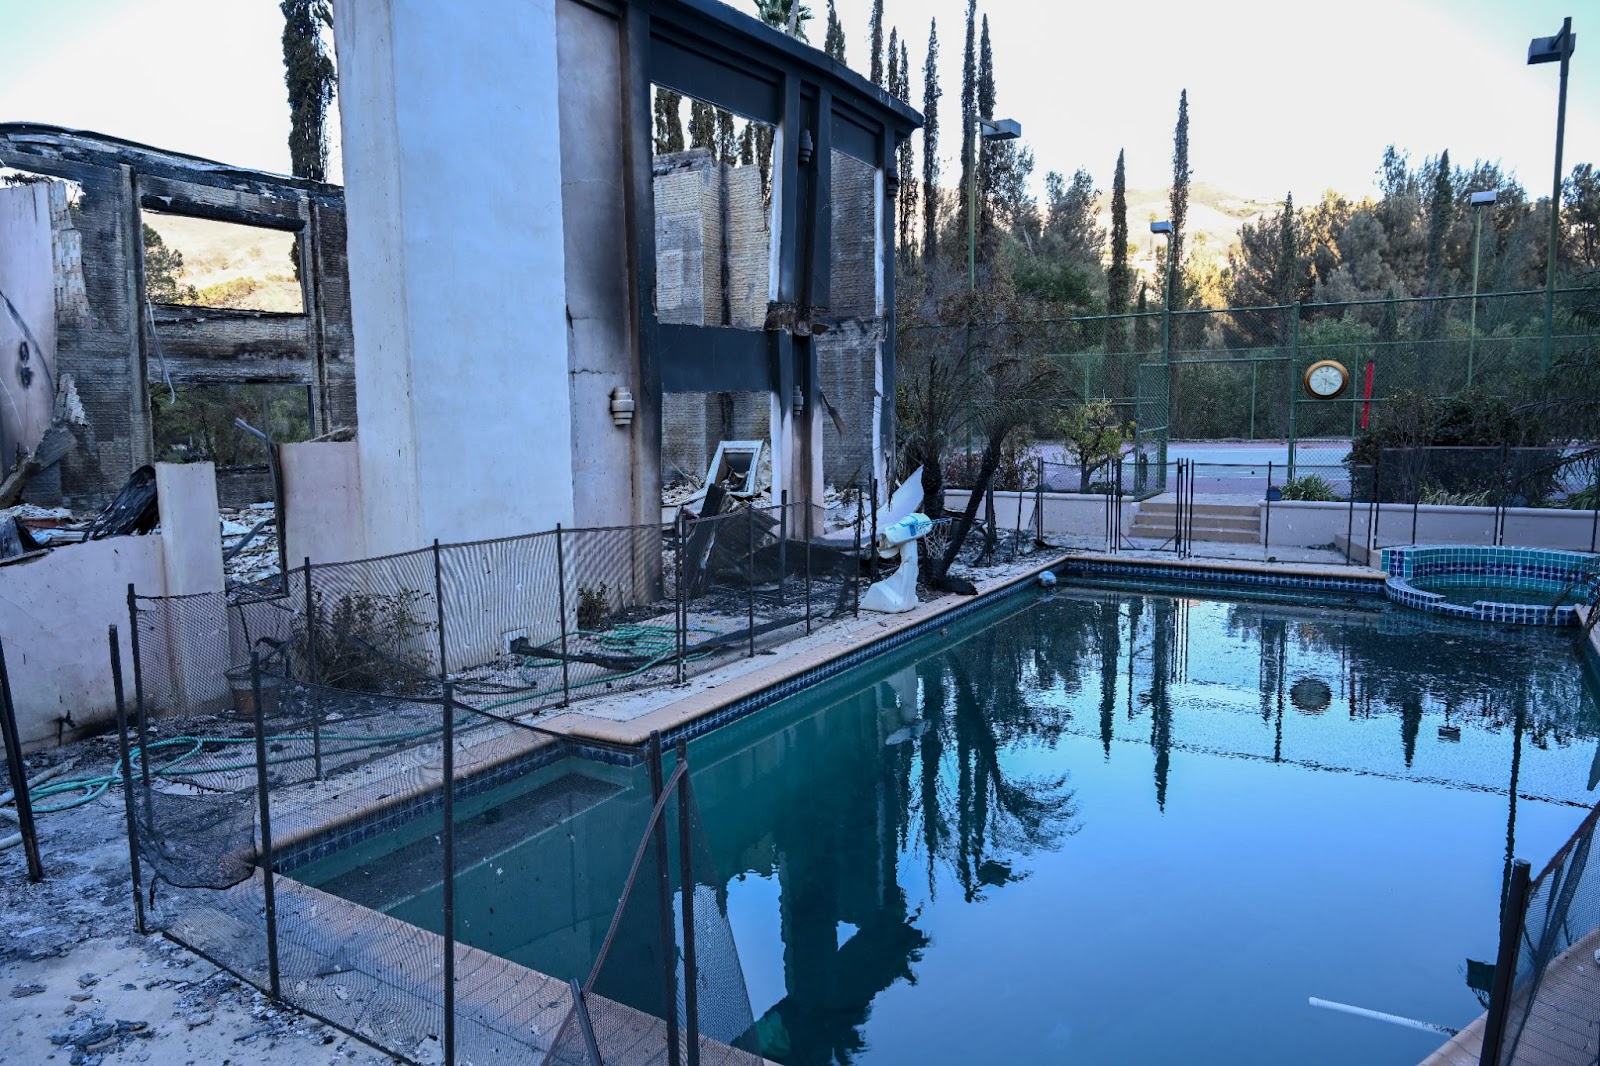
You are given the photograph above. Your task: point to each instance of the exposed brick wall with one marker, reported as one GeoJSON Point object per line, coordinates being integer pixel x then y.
{"type": "Point", "coordinates": [713, 222]}
{"type": "Point", "coordinates": [847, 353]}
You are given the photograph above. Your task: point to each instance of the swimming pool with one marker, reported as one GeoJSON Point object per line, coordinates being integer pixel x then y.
{"type": "Point", "coordinates": [1101, 826]}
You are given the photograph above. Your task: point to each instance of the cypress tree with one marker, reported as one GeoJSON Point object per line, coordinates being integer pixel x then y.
{"type": "Point", "coordinates": [726, 142]}
{"type": "Point", "coordinates": [703, 126]}
{"type": "Point", "coordinates": [930, 147]}
{"type": "Point", "coordinates": [309, 76]}
{"type": "Point", "coordinates": [991, 157]}
{"type": "Point", "coordinates": [833, 40]}
{"type": "Point", "coordinates": [1141, 325]}
{"type": "Point", "coordinates": [1180, 193]}
{"type": "Point", "coordinates": [1441, 213]}
{"type": "Point", "coordinates": [877, 42]}
{"type": "Point", "coordinates": [1118, 277]}
{"type": "Point", "coordinates": [747, 145]}
{"type": "Point", "coordinates": [906, 162]}
{"type": "Point", "coordinates": [969, 114]}
{"type": "Point", "coordinates": [669, 122]}
{"type": "Point", "coordinates": [1288, 287]}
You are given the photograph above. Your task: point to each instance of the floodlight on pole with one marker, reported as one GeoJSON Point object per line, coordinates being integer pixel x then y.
{"type": "Point", "coordinates": [1001, 129]}
{"type": "Point", "coordinates": [1479, 200]}
{"type": "Point", "coordinates": [1556, 49]}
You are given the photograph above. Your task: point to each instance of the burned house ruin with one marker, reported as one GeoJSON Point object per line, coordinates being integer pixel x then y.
{"type": "Point", "coordinates": [99, 336]}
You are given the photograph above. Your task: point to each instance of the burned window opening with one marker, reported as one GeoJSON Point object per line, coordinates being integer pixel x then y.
{"type": "Point", "coordinates": [195, 421]}
{"type": "Point", "coordinates": [194, 261]}
{"type": "Point", "coordinates": [711, 173]}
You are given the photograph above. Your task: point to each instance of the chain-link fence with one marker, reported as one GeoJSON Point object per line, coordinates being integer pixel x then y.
{"type": "Point", "coordinates": [1545, 1004]}
{"type": "Point", "coordinates": [1235, 373]}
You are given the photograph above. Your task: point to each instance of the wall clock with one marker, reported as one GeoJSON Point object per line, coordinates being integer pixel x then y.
{"type": "Point", "coordinates": [1326, 379]}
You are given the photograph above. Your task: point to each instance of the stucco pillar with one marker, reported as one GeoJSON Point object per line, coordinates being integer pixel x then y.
{"type": "Point", "coordinates": [453, 189]}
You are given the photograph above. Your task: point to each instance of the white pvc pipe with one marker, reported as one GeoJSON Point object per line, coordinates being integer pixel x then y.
{"type": "Point", "coordinates": [1362, 1012]}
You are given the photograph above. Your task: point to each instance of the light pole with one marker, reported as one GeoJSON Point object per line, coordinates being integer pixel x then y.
{"type": "Point", "coordinates": [1557, 49]}
{"type": "Point", "coordinates": [1165, 230]}
{"type": "Point", "coordinates": [1480, 200]}
{"type": "Point", "coordinates": [1004, 129]}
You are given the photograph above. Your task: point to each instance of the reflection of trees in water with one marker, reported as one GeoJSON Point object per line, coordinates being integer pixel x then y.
{"type": "Point", "coordinates": [932, 791]}
{"type": "Point", "coordinates": [1470, 679]}
{"type": "Point", "coordinates": [976, 817]}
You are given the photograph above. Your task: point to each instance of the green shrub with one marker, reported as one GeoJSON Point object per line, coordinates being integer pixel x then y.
{"type": "Point", "coordinates": [1309, 487]}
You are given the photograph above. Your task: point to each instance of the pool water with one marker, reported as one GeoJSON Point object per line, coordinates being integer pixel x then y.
{"type": "Point", "coordinates": [1101, 826]}
{"type": "Point", "coordinates": [1467, 595]}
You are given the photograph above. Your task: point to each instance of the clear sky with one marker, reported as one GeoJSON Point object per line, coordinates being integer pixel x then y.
{"type": "Point", "coordinates": [1284, 95]}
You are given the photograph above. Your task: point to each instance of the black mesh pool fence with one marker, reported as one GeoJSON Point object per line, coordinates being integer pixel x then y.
{"type": "Point", "coordinates": [667, 975]}
{"type": "Point", "coordinates": [522, 625]}
{"type": "Point", "coordinates": [1545, 1004]}
{"type": "Point", "coordinates": [227, 805]}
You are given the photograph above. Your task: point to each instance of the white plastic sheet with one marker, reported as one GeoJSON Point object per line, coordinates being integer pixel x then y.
{"type": "Point", "coordinates": [896, 593]}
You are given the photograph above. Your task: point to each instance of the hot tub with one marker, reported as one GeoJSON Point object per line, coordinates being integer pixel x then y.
{"type": "Point", "coordinates": [1492, 584]}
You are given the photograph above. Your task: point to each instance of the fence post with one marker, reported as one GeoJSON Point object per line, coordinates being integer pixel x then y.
{"type": "Point", "coordinates": [125, 768]}
{"type": "Point", "coordinates": [872, 484]}
{"type": "Point", "coordinates": [438, 604]}
{"type": "Point", "coordinates": [1594, 523]}
{"type": "Point", "coordinates": [19, 773]}
{"type": "Point", "coordinates": [669, 961]}
{"type": "Point", "coordinates": [561, 609]}
{"type": "Point", "coordinates": [1266, 540]}
{"type": "Point", "coordinates": [1375, 508]}
{"type": "Point", "coordinates": [1500, 511]}
{"type": "Point", "coordinates": [1038, 506]}
{"type": "Point", "coordinates": [314, 679]}
{"type": "Point", "coordinates": [750, 573]}
{"type": "Point", "coordinates": [783, 546]}
{"type": "Point", "coordinates": [265, 807]}
{"type": "Point", "coordinates": [140, 721]}
{"type": "Point", "coordinates": [1512, 916]}
{"type": "Point", "coordinates": [1178, 511]}
{"type": "Point", "coordinates": [1350, 521]}
{"type": "Point", "coordinates": [449, 769]}
{"type": "Point", "coordinates": [585, 1026]}
{"type": "Point", "coordinates": [1294, 363]}
{"type": "Point", "coordinates": [855, 565]}
{"type": "Point", "coordinates": [691, 990]}
{"type": "Point", "coordinates": [1188, 521]}
{"type": "Point", "coordinates": [680, 621]}
{"type": "Point", "coordinates": [807, 506]}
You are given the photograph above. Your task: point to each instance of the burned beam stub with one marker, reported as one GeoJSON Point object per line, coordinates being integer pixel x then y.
{"type": "Point", "coordinates": [136, 339]}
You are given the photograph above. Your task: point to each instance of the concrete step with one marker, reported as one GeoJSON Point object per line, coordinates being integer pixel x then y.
{"type": "Point", "coordinates": [1228, 536]}
{"type": "Point", "coordinates": [1242, 524]}
{"type": "Point", "coordinates": [1219, 510]}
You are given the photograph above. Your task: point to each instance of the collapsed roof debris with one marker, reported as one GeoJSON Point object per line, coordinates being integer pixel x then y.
{"type": "Point", "coordinates": [133, 511]}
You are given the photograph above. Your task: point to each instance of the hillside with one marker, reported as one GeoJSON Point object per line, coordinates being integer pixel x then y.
{"type": "Point", "coordinates": [1215, 216]}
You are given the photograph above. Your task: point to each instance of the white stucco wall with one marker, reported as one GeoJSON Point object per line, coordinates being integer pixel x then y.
{"type": "Point", "coordinates": [54, 611]}
{"type": "Point", "coordinates": [453, 188]}
{"type": "Point", "coordinates": [1298, 523]}
{"type": "Point", "coordinates": [322, 495]}
{"type": "Point", "coordinates": [27, 281]}
{"type": "Point", "coordinates": [1065, 513]}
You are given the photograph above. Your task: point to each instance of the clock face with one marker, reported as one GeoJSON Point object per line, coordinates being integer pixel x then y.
{"type": "Point", "coordinates": [1326, 380]}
